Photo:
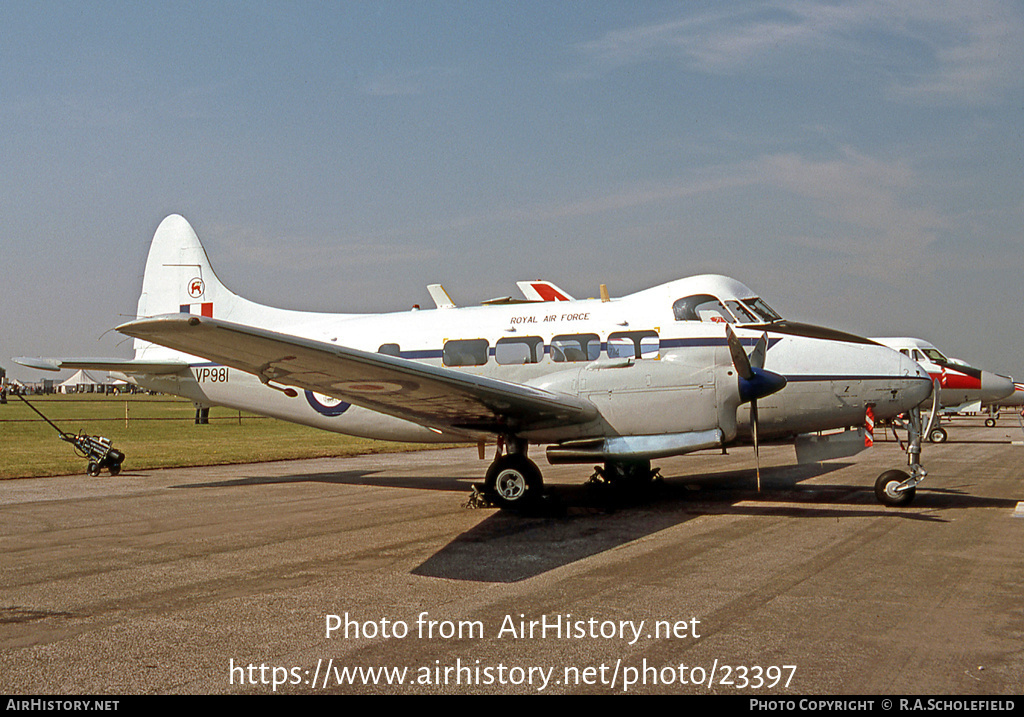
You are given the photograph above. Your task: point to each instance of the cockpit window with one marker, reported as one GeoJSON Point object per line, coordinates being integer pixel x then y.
{"type": "Point", "coordinates": [701, 307]}
{"type": "Point", "coordinates": [762, 309]}
{"type": "Point", "coordinates": [742, 313]}
{"type": "Point", "coordinates": [935, 355]}
{"type": "Point", "coordinates": [705, 307]}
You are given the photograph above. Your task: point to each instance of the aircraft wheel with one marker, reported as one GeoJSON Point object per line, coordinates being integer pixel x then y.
{"type": "Point", "coordinates": [990, 423]}
{"type": "Point", "coordinates": [938, 435]}
{"type": "Point", "coordinates": [885, 489]}
{"type": "Point", "coordinates": [93, 469]}
{"type": "Point", "coordinates": [514, 482]}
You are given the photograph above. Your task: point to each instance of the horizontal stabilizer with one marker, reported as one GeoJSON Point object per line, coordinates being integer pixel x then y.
{"type": "Point", "coordinates": [127, 366]}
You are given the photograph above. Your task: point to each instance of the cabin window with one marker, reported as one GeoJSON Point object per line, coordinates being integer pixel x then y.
{"type": "Point", "coordinates": [519, 350]}
{"type": "Point", "coordinates": [465, 352]}
{"type": "Point", "coordinates": [633, 344]}
{"type": "Point", "coordinates": [390, 350]}
{"type": "Point", "coordinates": [701, 307]}
{"type": "Point", "coordinates": [575, 347]}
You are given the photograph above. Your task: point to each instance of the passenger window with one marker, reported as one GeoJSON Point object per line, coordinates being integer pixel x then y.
{"type": "Point", "coordinates": [390, 350]}
{"type": "Point", "coordinates": [634, 344]}
{"type": "Point", "coordinates": [701, 307]}
{"type": "Point", "coordinates": [519, 350]}
{"type": "Point", "coordinates": [465, 352]}
{"type": "Point", "coordinates": [575, 347]}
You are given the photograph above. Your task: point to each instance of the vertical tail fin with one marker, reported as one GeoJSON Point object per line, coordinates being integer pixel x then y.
{"type": "Point", "coordinates": [179, 278]}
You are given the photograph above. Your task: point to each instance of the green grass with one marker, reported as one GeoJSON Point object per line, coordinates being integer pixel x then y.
{"type": "Point", "coordinates": [160, 433]}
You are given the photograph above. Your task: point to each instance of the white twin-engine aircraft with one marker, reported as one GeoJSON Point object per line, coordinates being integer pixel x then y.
{"type": "Point", "coordinates": [962, 388]}
{"type": "Point", "coordinates": [618, 381]}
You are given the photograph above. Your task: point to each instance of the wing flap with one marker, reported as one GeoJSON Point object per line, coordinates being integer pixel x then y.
{"type": "Point", "coordinates": [429, 395]}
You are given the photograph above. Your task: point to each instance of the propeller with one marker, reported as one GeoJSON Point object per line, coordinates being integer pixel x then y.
{"type": "Point", "coordinates": [755, 382]}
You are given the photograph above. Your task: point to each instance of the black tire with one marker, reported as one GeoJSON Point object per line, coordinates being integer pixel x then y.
{"type": "Point", "coordinates": [115, 468]}
{"type": "Point", "coordinates": [514, 482]}
{"type": "Point", "coordinates": [990, 423]}
{"type": "Point", "coordinates": [886, 493]}
{"type": "Point", "coordinates": [938, 435]}
{"type": "Point", "coordinates": [93, 469]}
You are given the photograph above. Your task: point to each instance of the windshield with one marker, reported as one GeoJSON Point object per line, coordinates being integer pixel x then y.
{"type": "Point", "coordinates": [935, 355]}
{"type": "Point", "coordinates": [705, 307]}
{"type": "Point", "coordinates": [762, 309]}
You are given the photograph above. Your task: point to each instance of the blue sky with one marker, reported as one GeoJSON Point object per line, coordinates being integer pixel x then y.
{"type": "Point", "coordinates": [858, 164]}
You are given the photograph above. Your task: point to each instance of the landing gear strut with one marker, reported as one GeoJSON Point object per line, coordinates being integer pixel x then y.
{"type": "Point", "coordinates": [897, 488]}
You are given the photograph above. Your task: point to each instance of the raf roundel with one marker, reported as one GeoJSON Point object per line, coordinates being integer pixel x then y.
{"type": "Point", "coordinates": [326, 405]}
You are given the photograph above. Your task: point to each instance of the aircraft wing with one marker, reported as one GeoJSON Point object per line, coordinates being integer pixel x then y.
{"type": "Point", "coordinates": [429, 395]}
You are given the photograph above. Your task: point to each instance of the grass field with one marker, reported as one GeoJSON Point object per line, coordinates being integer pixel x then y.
{"type": "Point", "coordinates": [160, 433]}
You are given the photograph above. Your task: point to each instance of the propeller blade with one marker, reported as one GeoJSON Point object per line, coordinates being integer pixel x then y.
{"type": "Point", "coordinates": [760, 349]}
{"type": "Point", "coordinates": [757, 454]}
{"type": "Point", "coordinates": [739, 356]}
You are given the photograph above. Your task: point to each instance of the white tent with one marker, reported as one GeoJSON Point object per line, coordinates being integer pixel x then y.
{"type": "Point", "coordinates": [81, 382]}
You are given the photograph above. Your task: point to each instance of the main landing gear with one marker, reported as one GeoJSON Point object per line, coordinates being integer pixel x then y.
{"type": "Point", "coordinates": [514, 482]}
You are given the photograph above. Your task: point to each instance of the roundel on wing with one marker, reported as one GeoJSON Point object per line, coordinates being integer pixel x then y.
{"type": "Point", "coordinates": [326, 405]}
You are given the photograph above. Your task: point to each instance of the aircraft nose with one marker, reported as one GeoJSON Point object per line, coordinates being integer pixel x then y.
{"type": "Point", "coordinates": [918, 386]}
{"type": "Point", "coordinates": [994, 386]}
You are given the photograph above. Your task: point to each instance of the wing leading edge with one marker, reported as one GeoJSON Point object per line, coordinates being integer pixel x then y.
{"type": "Point", "coordinates": [429, 395]}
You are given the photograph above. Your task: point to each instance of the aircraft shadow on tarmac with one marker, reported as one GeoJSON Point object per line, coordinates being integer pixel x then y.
{"type": "Point", "coordinates": [509, 548]}
{"type": "Point", "coordinates": [577, 521]}
{"type": "Point", "coordinates": [367, 478]}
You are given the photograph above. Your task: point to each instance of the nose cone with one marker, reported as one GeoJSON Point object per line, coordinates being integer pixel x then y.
{"type": "Point", "coordinates": [995, 387]}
